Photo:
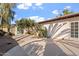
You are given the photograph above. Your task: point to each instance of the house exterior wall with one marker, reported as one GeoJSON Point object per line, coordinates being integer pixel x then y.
{"type": "Point", "coordinates": [13, 30]}
{"type": "Point", "coordinates": [5, 29]}
{"type": "Point", "coordinates": [61, 28]}
{"type": "Point", "coordinates": [63, 31]}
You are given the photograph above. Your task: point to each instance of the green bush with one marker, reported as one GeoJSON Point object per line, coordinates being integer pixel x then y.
{"type": "Point", "coordinates": [43, 32]}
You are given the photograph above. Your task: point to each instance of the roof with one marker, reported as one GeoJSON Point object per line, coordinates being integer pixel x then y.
{"type": "Point", "coordinates": [60, 18]}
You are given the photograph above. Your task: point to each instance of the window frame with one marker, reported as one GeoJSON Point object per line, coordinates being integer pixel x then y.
{"type": "Point", "coordinates": [75, 29]}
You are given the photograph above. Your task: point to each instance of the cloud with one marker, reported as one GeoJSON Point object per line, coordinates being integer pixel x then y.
{"type": "Point", "coordinates": [67, 7]}
{"type": "Point", "coordinates": [15, 16]}
{"type": "Point", "coordinates": [24, 6]}
{"type": "Point", "coordinates": [41, 7]}
{"type": "Point", "coordinates": [37, 18]}
{"type": "Point", "coordinates": [55, 11]}
{"type": "Point", "coordinates": [38, 4]}
{"type": "Point", "coordinates": [48, 18]}
{"type": "Point", "coordinates": [58, 12]}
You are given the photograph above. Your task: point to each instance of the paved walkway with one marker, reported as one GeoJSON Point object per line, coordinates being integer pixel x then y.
{"type": "Point", "coordinates": [16, 51]}
{"type": "Point", "coordinates": [30, 46]}
{"type": "Point", "coordinates": [25, 47]}
{"type": "Point", "coordinates": [6, 43]}
{"type": "Point", "coordinates": [70, 47]}
{"type": "Point", "coordinates": [51, 49]}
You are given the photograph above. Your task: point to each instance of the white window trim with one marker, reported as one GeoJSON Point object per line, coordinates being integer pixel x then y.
{"type": "Point", "coordinates": [78, 30]}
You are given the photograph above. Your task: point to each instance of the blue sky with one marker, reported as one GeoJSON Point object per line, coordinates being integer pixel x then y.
{"type": "Point", "coordinates": [42, 11]}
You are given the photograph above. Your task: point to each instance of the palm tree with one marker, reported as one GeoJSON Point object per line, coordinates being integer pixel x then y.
{"type": "Point", "coordinates": [29, 25]}
{"type": "Point", "coordinates": [67, 11]}
{"type": "Point", "coordinates": [20, 25]}
{"type": "Point", "coordinates": [32, 27]}
{"type": "Point", "coordinates": [25, 23]}
{"type": "Point", "coordinates": [40, 30]}
{"type": "Point", "coordinates": [7, 14]}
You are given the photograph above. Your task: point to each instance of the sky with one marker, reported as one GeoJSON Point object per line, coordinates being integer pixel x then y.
{"type": "Point", "coordinates": [42, 11]}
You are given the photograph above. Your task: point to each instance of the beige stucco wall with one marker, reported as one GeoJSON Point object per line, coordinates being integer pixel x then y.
{"type": "Point", "coordinates": [63, 32]}
{"type": "Point", "coordinates": [58, 31]}
{"type": "Point", "coordinates": [13, 30]}
{"type": "Point", "coordinates": [5, 29]}
{"type": "Point", "coordinates": [59, 34]}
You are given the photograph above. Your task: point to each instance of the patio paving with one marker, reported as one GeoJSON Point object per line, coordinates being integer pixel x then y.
{"type": "Point", "coordinates": [27, 47]}
{"type": "Point", "coordinates": [70, 47]}
{"type": "Point", "coordinates": [51, 49]}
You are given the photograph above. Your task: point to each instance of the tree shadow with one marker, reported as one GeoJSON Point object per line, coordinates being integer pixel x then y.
{"type": "Point", "coordinates": [70, 43]}
{"type": "Point", "coordinates": [32, 42]}
{"type": "Point", "coordinates": [6, 43]}
{"type": "Point", "coordinates": [33, 48]}
{"type": "Point", "coordinates": [51, 49]}
{"type": "Point", "coordinates": [68, 49]}
{"type": "Point", "coordinates": [29, 49]}
{"type": "Point", "coordinates": [21, 37]}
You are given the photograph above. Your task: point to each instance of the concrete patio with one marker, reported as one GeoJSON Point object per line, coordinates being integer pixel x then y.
{"type": "Point", "coordinates": [45, 47]}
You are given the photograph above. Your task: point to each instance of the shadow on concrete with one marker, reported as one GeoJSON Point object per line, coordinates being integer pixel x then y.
{"type": "Point", "coordinates": [70, 43]}
{"type": "Point", "coordinates": [33, 49]}
{"type": "Point", "coordinates": [51, 49]}
{"type": "Point", "coordinates": [68, 49]}
{"type": "Point", "coordinates": [6, 43]}
{"type": "Point", "coordinates": [29, 49]}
